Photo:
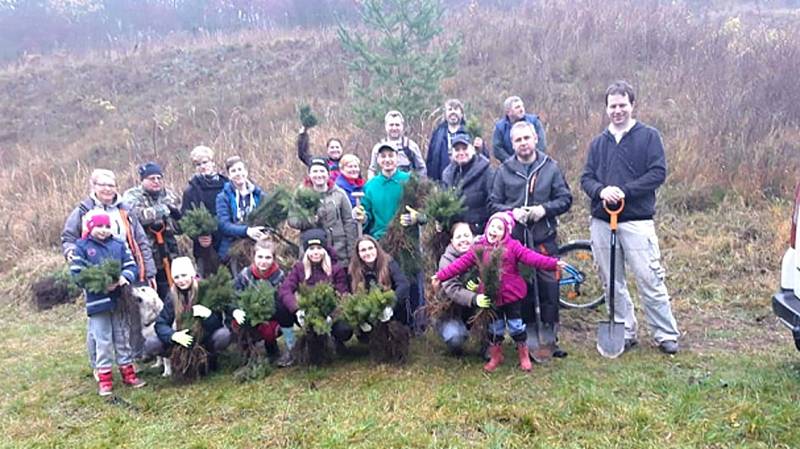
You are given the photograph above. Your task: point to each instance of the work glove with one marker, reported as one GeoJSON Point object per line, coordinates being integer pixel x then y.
{"type": "Point", "coordinates": [359, 214]}
{"type": "Point", "coordinates": [483, 301]}
{"type": "Point", "coordinates": [472, 284]}
{"type": "Point", "coordinates": [386, 315]}
{"type": "Point", "coordinates": [123, 281]}
{"type": "Point", "coordinates": [300, 315]}
{"type": "Point", "coordinates": [520, 215]}
{"type": "Point", "coordinates": [365, 327]}
{"type": "Point", "coordinates": [255, 233]}
{"type": "Point", "coordinates": [536, 213]}
{"type": "Point", "coordinates": [411, 218]}
{"type": "Point", "coordinates": [201, 311]}
{"type": "Point", "coordinates": [183, 338]}
{"type": "Point", "coordinates": [239, 315]}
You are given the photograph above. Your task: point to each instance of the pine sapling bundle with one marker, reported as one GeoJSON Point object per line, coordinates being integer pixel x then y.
{"type": "Point", "coordinates": [272, 211]}
{"type": "Point", "coordinates": [403, 242]}
{"type": "Point", "coordinates": [198, 221]}
{"type": "Point", "coordinates": [216, 291]}
{"type": "Point", "coordinates": [304, 204]}
{"type": "Point", "coordinates": [473, 127]}
{"type": "Point", "coordinates": [444, 207]}
{"type": "Point", "coordinates": [255, 369]}
{"type": "Point", "coordinates": [307, 118]}
{"type": "Point", "coordinates": [366, 307]}
{"type": "Point", "coordinates": [438, 306]}
{"type": "Point", "coordinates": [54, 289]}
{"type": "Point", "coordinates": [318, 302]}
{"type": "Point", "coordinates": [96, 279]}
{"type": "Point", "coordinates": [258, 303]}
{"type": "Point", "coordinates": [389, 342]}
{"type": "Point", "coordinates": [490, 272]}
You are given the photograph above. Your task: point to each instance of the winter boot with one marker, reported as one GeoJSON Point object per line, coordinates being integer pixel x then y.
{"type": "Point", "coordinates": [524, 356]}
{"type": "Point", "coordinates": [104, 382]}
{"type": "Point", "coordinates": [129, 376]}
{"type": "Point", "coordinates": [495, 357]}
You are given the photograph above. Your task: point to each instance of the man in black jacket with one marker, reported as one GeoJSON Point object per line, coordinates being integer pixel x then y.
{"type": "Point", "coordinates": [442, 140]}
{"type": "Point", "coordinates": [472, 175]}
{"type": "Point", "coordinates": [531, 185]}
{"type": "Point", "coordinates": [626, 162]}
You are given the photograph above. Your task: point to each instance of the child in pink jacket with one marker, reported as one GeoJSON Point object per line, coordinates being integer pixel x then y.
{"type": "Point", "coordinates": [513, 288]}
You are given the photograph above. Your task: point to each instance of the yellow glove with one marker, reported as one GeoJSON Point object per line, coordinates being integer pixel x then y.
{"type": "Point", "coordinates": [472, 284]}
{"type": "Point", "coordinates": [483, 301]}
{"type": "Point", "coordinates": [359, 214]}
{"type": "Point", "coordinates": [411, 218]}
{"type": "Point", "coordinates": [183, 338]}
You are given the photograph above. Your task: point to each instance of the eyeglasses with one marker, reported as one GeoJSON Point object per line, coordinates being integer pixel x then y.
{"type": "Point", "coordinates": [105, 184]}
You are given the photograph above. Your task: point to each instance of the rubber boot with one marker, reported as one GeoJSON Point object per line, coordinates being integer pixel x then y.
{"type": "Point", "coordinates": [129, 376]}
{"type": "Point", "coordinates": [495, 357]}
{"type": "Point", "coordinates": [524, 357]}
{"type": "Point", "coordinates": [104, 381]}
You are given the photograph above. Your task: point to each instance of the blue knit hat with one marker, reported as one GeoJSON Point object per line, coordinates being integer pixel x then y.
{"type": "Point", "coordinates": [149, 169]}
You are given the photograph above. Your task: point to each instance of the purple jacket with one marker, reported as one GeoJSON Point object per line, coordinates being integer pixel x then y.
{"type": "Point", "coordinates": [512, 286]}
{"type": "Point", "coordinates": [287, 292]}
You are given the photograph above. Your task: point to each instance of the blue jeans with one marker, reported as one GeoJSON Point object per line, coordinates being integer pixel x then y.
{"type": "Point", "coordinates": [510, 314]}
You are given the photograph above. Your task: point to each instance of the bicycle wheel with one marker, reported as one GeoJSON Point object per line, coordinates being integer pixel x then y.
{"type": "Point", "coordinates": [580, 286]}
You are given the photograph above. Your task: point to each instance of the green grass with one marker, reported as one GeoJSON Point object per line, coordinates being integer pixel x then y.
{"type": "Point", "coordinates": [716, 398]}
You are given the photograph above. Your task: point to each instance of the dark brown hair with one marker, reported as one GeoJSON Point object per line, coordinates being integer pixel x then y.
{"type": "Point", "coordinates": [620, 87]}
{"type": "Point", "coordinates": [358, 268]}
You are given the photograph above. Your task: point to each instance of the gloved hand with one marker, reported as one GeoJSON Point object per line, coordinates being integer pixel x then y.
{"type": "Point", "coordinates": [386, 315]}
{"type": "Point", "coordinates": [201, 311]}
{"type": "Point", "coordinates": [410, 218]}
{"type": "Point", "coordinates": [300, 315]}
{"type": "Point", "coordinates": [123, 281]}
{"type": "Point", "coordinates": [359, 214]}
{"type": "Point", "coordinates": [472, 284]}
{"type": "Point", "coordinates": [255, 233]}
{"type": "Point", "coordinates": [536, 213]}
{"type": "Point", "coordinates": [328, 320]}
{"type": "Point", "coordinates": [183, 338]}
{"type": "Point", "coordinates": [365, 327]}
{"type": "Point", "coordinates": [435, 282]}
{"type": "Point", "coordinates": [483, 301]}
{"type": "Point", "coordinates": [174, 212]}
{"type": "Point", "coordinates": [520, 215]}
{"type": "Point", "coordinates": [239, 315]}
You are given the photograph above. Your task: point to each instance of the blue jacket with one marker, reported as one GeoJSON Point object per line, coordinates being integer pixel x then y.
{"type": "Point", "coordinates": [163, 324]}
{"type": "Point", "coordinates": [501, 140]}
{"type": "Point", "coordinates": [89, 253]}
{"type": "Point", "coordinates": [439, 150]}
{"type": "Point", "coordinates": [636, 165]}
{"type": "Point", "coordinates": [230, 228]}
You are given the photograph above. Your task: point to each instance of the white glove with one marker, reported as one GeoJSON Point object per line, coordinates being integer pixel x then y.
{"type": "Point", "coordinates": [386, 315]}
{"type": "Point", "coordinates": [301, 317]}
{"type": "Point", "coordinates": [536, 213]}
{"type": "Point", "coordinates": [183, 338]}
{"type": "Point", "coordinates": [365, 327]}
{"type": "Point", "coordinates": [201, 311]}
{"type": "Point", "coordinates": [255, 233]}
{"type": "Point", "coordinates": [520, 215]}
{"type": "Point", "coordinates": [239, 315]}
{"type": "Point", "coordinates": [329, 320]}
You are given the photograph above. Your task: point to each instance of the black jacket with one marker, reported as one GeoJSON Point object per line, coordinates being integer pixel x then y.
{"type": "Point", "coordinates": [164, 330]}
{"type": "Point", "coordinates": [474, 181]}
{"type": "Point", "coordinates": [511, 189]}
{"type": "Point", "coordinates": [636, 165]}
{"type": "Point", "coordinates": [203, 190]}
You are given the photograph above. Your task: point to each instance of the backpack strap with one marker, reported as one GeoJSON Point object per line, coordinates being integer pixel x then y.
{"type": "Point", "coordinates": [409, 154]}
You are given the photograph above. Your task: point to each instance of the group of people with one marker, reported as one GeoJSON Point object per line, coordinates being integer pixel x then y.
{"type": "Point", "coordinates": [512, 208]}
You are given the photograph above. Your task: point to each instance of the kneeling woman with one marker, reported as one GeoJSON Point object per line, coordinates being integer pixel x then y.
{"type": "Point", "coordinates": [452, 323]}
{"type": "Point", "coordinates": [183, 296]}
{"type": "Point", "coordinates": [265, 269]}
{"type": "Point", "coordinates": [370, 266]}
{"type": "Point", "coordinates": [316, 266]}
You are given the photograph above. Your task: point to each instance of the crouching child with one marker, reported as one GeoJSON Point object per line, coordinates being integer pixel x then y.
{"type": "Point", "coordinates": [111, 336]}
{"type": "Point", "coordinates": [512, 288]}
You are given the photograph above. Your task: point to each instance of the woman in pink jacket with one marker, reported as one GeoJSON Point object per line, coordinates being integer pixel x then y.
{"type": "Point", "coordinates": [512, 287]}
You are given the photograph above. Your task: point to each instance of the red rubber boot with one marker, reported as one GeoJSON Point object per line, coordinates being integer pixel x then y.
{"type": "Point", "coordinates": [495, 357]}
{"type": "Point", "coordinates": [524, 357]}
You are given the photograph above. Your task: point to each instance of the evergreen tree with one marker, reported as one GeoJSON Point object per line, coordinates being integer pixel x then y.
{"type": "Point", "coordinates": [400, 68]}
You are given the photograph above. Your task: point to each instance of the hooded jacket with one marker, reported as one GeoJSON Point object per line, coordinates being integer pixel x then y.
{"type": "Point", "coordinates": [512, 183]}
{"type": "Point", "coordinates": [202, 191]}
{"type": "Point", "coordinates": [90, 252]}
{"type": "Point", "coordinates": [454, 288]}
{"type": "Point", "coordinates": [474, 182]}
{"type": "Point", "coordinates": [636, 165]}
{"type": "Point", "coordinates": [287, 292]}
{"type": "Point", "coordinates": [512, 287]}
{"type": "Point", "coordinates": [227, 210]}
{"type": "Point", "coordinates": [335, 216]}
{"type": "Point", "coordinates": [501, 139]}
{"type": "Point", "coordinates": [124, 225]}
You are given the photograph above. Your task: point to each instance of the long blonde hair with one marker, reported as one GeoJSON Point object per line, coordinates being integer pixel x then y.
{"type": "Point", "coordinates": [327, 264]}
{"type": "Point", "coordinates": [177, 303]}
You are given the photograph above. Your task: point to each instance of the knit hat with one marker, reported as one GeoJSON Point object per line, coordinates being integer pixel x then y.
{"type": "Point", "coordinates": [313, 237]}
{"type": "Point", "coordinates": [98, 219]}
{"type": "Point", "coordinates": [149, 169]}
{"type": "Point", "coordinates": [506, 218]}
{"type": "Point", "coordinates": [318, 161]}
{"type": "Point", "coordinates": [183, 265]}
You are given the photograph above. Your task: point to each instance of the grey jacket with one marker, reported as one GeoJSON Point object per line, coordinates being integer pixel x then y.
{"type": "Point", "coordinates": [335, 216]}
{"type": "Point", "coordinates": [454, 288]}
{"type": "Point", "coordinates": [511, 189]}
{"type": "Point", "coordinates": [75, 226]}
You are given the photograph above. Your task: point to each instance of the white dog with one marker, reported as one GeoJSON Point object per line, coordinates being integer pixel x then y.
{"type": "Point", "coordinates": [150, 306]}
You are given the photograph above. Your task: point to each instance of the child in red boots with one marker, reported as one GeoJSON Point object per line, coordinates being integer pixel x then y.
{"type": "Point", "coordinates": [111, 336]}
{"type": "Point", "coordinates": [508, 307]}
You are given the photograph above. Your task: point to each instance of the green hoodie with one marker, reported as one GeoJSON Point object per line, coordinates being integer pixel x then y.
{"type": "Point", "coordinates": [381, 199]}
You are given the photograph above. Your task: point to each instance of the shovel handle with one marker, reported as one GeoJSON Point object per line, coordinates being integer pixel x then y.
{"type": "Point", "coordinates": [614, 213]}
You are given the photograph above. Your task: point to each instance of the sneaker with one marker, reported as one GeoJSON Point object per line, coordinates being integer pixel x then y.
{"type": "Point", "coordinates": [668, 347]}
{"type": "Point", "coordinates": [285, 360]}
{"type": "Point", "coordinates": [129, 376]}
{"type": "Point", "coordinates": [104, 382]}
{"type": "Point", "coordinates": [631, 343]}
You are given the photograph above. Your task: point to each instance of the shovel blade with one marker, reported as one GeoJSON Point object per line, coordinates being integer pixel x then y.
{"type": "Point", "coordinates": [610, 339]}
{"type": "Point", "coordinates": [540, 348]}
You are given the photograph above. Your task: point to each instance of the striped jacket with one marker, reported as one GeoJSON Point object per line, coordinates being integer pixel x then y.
{"type": "Point", "coordinates": [90, 252]}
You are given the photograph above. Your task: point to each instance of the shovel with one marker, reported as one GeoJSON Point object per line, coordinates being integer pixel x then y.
{"type": "Point", "coordinates": [611, 333]}
{"type": "Point", "coordinates": [541, 339]}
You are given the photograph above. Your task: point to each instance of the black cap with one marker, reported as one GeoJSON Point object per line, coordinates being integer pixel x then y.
{"type": "Point", "coordinates": [318, 161]}
{"type": "Point", "coordinates": [385, 147]}
{"type": "Point", "coordinates": [461, 138]}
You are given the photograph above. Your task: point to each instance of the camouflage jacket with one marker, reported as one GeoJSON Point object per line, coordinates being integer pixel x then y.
{"type": "Point", "coordinates": [155, 213]}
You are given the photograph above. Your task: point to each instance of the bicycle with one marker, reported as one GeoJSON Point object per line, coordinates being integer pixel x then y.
{"type": "Point", "coordinates": [580, 286]}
